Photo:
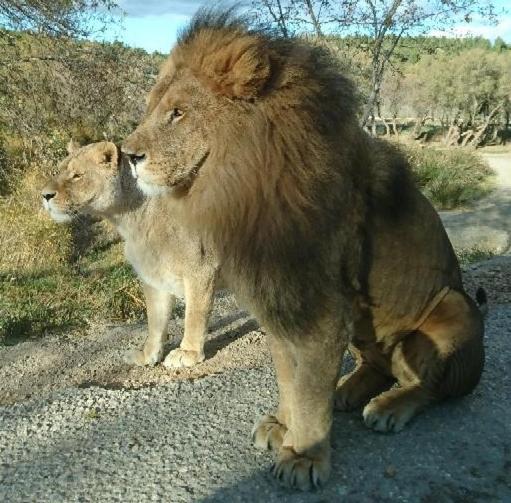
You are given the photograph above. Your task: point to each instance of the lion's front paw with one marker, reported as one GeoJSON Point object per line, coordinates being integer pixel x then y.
{"type": "Point", "coordinates": [136, 357]}
{"type": "Point", "coordinates": [179, 358]}
{"type": "Point", "coordinates": [299, 471]}
{"type": "Point", "coordinates": [268, 433]}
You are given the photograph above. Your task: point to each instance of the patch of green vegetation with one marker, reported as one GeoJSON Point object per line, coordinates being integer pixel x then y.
{"type": "Point", "coordinates": [467, 256]}
{"type": "Point", "coordinates": [450, 178]}
{"type": "Point", "coordinates": [32, 303]}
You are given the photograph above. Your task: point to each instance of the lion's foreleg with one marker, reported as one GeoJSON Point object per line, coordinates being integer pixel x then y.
{"type": "Point", "coordinates": [199, 294]}
{"type": "Point", "coordinates": [303, 461]}
{"type": "Point", "coordinates": [159, 307]}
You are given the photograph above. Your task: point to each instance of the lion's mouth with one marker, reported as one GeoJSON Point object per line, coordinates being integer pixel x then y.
{"type": "Point", "coordinates": [187, 180]}
{"type": "Point", "coordinates": [59, 215]}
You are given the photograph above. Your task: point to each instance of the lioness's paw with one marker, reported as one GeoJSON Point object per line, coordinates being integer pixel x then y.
{"type": "Point", "coordinates": [136, 357]}
{"type": "Point", "coordinates": [384, 415]}
{"type": "Point", "coordinates": [268, 433]}
{"type": "Point", "coordinates": [179, 358]}
{"type": "Point", "coordinates": [299, 471]}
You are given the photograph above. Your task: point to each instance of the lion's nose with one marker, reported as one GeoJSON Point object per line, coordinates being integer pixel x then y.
{"type": "Point", "coordinates": [135, 158]}
{"type": "Point", "coordinates": [48, 194]}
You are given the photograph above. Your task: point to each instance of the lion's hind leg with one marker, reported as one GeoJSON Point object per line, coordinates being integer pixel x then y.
{"type": "Point", "coordinates": [370, 377]}
{"type": "Point", "coordinates": [442, 358]}
{"type": "Point", "coordinates": [355, 389]}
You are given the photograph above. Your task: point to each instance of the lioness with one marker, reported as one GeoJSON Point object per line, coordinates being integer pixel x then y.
{"type": "Point", "coordinates": [320, 231]}
{"type": "Point", "coordinates": [169, 259]}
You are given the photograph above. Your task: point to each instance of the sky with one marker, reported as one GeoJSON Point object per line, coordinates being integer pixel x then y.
{"type": "Point", "coordinates": [154, 24]}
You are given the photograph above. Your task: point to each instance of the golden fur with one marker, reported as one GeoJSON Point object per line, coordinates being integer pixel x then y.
{"type": "Point", "coordinates": [169, 259]}
{"type": "Point", "coordinates": [319, 229]}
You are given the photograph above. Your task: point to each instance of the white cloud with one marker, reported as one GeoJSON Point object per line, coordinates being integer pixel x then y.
{"type": "Point", "coordinates": [501, 29]}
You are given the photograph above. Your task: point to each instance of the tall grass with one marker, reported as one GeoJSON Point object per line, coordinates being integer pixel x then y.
{"type": "Point", "coordinates": [449, 178]}
{"type": "Point", "coordinates": [41, 288]}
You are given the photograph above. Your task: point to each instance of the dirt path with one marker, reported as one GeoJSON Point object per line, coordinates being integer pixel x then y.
{"type": "Point", "coordinates": [488, 224]}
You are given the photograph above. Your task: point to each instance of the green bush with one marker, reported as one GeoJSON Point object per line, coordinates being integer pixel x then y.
{"type": "Point", "coordinates": [449, 178]}
{"type": "Point", "coordinates": [467, 256]}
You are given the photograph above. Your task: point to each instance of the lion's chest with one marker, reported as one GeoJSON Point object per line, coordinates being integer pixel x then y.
{"type": "Point", "coordinates": [154, 268]}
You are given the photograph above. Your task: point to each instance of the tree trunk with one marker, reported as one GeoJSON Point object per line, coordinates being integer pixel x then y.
{"type": "Point", "coordinates": [315, 22]}
{"type": "Point", "coordinates": [369, 108]}
{"type": "Point", "coordinates": [279, 19]}
{"type": "Point", "coordinates": [481, 131]}
{"type": "Point", "coordinates": [387, 126]}
{"type": "Point", "coordinates": [394, 126]}
{"type": "Point", "coordinates": [467, 136]}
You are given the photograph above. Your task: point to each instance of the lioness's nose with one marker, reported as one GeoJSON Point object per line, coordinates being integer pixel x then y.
{"type": "Point", "coordinates": [48, 194]}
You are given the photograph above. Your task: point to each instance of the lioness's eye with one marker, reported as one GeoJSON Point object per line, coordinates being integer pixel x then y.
{"type": "Point", "coordinates": [175, 114]}
{"type": "Point", "coordinates": [77, 176]}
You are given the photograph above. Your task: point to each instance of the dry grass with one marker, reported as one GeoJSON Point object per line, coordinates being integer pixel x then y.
{"type": "Point", "coordinates": [41, 288]}
{"type": "Point", "coordinates": [29, 239]}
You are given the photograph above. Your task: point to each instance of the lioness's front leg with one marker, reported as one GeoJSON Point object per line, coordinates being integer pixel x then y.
{"type": "Point", "coordinates": [199, 293]}
{"type": "Point", "coordinates": [303, 462]}
{"type": "Point", "coordinates": [159, 306]}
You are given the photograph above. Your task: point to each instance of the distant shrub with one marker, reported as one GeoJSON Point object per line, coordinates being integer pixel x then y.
{"type": "Point", "coordinates": [449, 178]}
{"type": "Point", "coordinates": [467, 256]}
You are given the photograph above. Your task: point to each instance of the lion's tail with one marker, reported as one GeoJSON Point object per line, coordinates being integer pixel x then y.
{"type": "Point", "coordinates": [482, 301]}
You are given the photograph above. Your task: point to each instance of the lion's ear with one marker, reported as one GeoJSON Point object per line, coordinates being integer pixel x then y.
{"type": "Point", "coordinates": [72, 146]}
{"type": "Point", "coordinates": [240, 69]}
{"type": "Point", "coordinates": [108, 155]}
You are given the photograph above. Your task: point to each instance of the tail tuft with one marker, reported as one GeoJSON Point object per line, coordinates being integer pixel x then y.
{"type": "Point", "coordinates": [482, 301]}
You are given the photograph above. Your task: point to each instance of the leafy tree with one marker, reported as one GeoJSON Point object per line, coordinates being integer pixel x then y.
{"type": "Point", "coordinates": [499, 45]}
{"type": "Point", "coordinates": [469, 93]}
{"type": "Point", "coordinates": [56, 18]}
{"type": "Point", "coordinates": [384, 22]}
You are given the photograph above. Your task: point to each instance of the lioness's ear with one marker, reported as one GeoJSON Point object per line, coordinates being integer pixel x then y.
{"type": "Point", "coordinates": [235, 66]}
{"type": "Point", "coordinates": [72, 146]}
{"type": "Point", "coordinates": [108, 154]}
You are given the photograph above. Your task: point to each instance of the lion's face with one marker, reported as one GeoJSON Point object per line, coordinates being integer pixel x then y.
{"type": "Point", "coordinates": [172, 143]}
{"type": "Point", "coordinates": [87, 182]}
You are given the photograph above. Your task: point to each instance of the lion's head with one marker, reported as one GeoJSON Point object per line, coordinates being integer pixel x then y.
{"type": "Point", "coordinates": [88, 182]}
{"type": "Point", "coordinates": [245, 128]}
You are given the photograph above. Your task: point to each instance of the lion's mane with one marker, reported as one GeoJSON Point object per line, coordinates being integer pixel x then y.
{"type": "Point", "coordinates": [291, 172]}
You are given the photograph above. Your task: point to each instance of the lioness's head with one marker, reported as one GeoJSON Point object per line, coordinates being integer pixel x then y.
{"type": "Point", "coordinates": [88, 182]}
{"type": "Point", "coordinates": [208, 79]}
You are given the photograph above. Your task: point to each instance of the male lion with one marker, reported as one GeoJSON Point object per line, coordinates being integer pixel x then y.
{"type": "Point", "coordinates": [169, 259]}
{"type": "Point", "coordinates": [319, 229]}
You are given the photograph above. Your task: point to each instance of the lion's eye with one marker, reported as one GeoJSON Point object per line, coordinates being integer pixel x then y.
{"type": "Point", "coordinates": [77, 176]}
{"type": "Point", "coordinates": [175, 114]}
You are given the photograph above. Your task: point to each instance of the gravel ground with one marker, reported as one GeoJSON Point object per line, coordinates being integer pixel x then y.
{"type": "Point", "coordinates": [150, 436]}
